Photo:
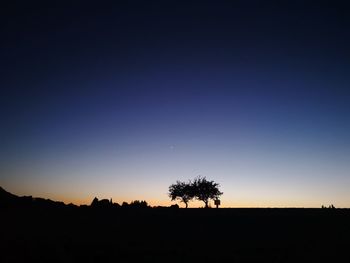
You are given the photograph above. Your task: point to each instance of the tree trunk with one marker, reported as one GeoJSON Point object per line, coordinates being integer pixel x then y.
{"type": "Point", "coordinates": [186, 204]}
{"type": "Point", "coordinates": [206, 204]}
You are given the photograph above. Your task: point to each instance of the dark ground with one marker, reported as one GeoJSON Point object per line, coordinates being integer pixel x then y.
{"type": "Point", "coordinates": [71, 234]}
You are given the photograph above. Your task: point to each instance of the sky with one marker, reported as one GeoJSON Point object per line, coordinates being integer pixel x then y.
{"type": "Point", "coordinates": [121, 99]}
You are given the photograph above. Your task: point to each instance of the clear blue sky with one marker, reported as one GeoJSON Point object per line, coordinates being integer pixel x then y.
{"type": "Point", "coordinates": [122, 101]}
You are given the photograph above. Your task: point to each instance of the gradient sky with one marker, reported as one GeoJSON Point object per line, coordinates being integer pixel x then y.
{"type": "Point", "coordinates": [121, 100]}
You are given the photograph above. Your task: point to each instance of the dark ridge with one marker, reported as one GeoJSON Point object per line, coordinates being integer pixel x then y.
{"type": "Point", "coordinates": [4, 195]}
{"type": "Point", "coordinates": [9, 200]}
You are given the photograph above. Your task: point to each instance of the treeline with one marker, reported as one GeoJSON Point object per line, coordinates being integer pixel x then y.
{"type": "Point", "coordinates": [9, 200]}
{"type": "Point", "coordinates": [105, 203]}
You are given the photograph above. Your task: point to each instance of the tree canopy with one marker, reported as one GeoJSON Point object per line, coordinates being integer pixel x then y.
{"type": "Point", "coordinates": [200, 189]}
{"type": "Point", "coordinates": [205, 190]}
{"type": "Point", "coordinates": [181, 191]}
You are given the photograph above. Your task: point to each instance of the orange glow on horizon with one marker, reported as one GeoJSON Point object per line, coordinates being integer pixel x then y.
{"type": "Point", "coordinates": [226, 201]}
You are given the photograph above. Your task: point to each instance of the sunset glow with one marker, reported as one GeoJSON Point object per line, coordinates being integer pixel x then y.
{"type": "Point", "coordinates": [127, 103]}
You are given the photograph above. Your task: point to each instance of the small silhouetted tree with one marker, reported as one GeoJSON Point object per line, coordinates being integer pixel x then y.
{"type": "Point", "coordinates": [94, 202]}
{"type": "Point", "coordinates": [205, 190]}
{"type": "Point", "coordinates": [181, 191]}
{"type": "Point", "coordinates": [138, 204]}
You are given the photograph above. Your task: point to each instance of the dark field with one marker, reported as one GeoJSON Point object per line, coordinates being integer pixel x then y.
{"type": "Point", "coordinates": [71, 234]}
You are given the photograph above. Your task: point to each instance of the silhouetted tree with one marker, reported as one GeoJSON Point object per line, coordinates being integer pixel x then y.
{"type": "Point", "coordinates": [116, 205]}
{"type": "Point", "coordinates": [181, 191]}
{"type": "Point", "coordinates": [104, 203]}
{"type": "Point", "coordinates": [204, 190]}
{"type": "Point", "coordinates": [94, 202]}
{"type": "Point", "coordinates": [138, 204]}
